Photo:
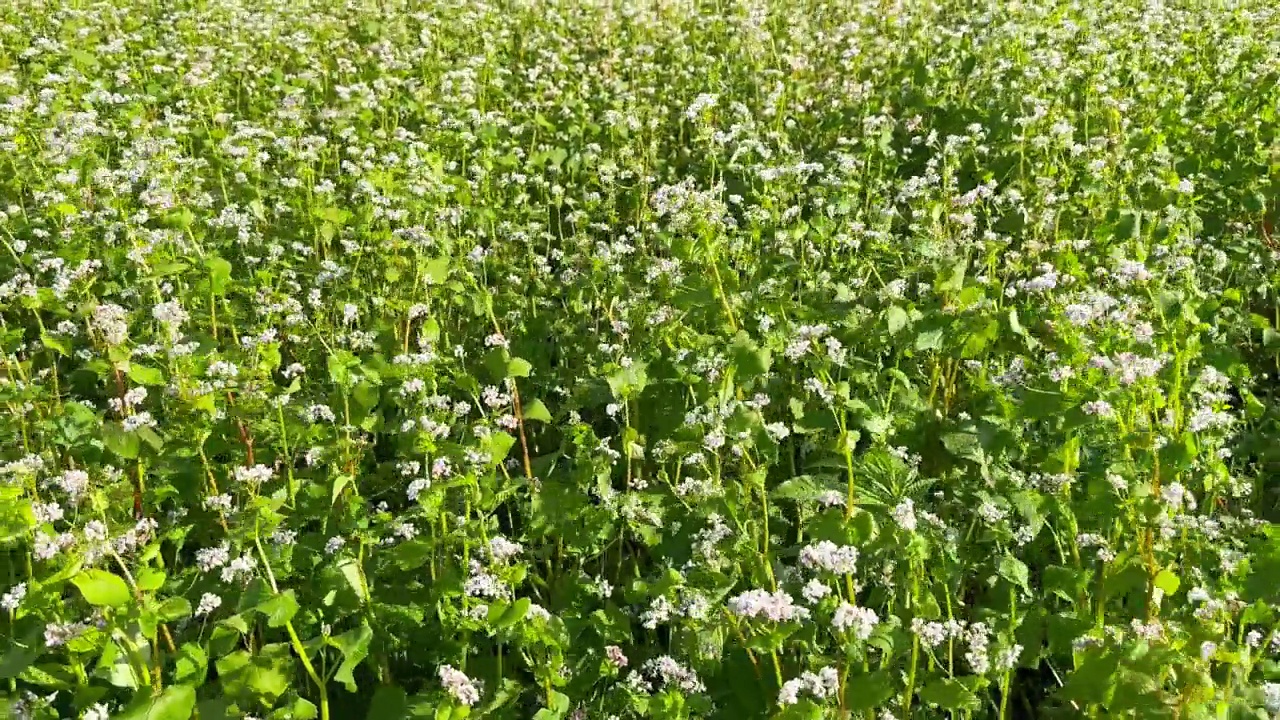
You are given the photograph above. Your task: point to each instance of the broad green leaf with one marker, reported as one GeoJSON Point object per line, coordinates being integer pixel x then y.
{"type": "Point", "coordinates": [303, 709]}
{"type": "Point", "coordinates": [950, 695]}
{"type": "Point", "coordinates": [176, 702]}
{"type": "Point", "coordinates": [536, 410]}
{"type": "Point", "coordinates": [354, 646]}
{"type": "Point", "coordinates": [389, 702]}
{"type": "Point", "coordinates": [897, 319]}
{"type": "Point", "coordinates": [340, 483]}
{"type": "Point", "coordinates": [122, 443]}
{"type": "Point", "coordinates": [19, 654]}
{"type": "Point", "coordinates": [867, 691]}
{"type": "Point", "coordinates": [628, 381]}
{"type": "Point", "coordinates": [102, 588]}
{"type": "Point", "coordinates": [513, 614]}
{"type": "Point", "coordinates": [56, 344]}
{"type": "Point", "coordinates": [1013, 570]}
{"type": "Point", "coordinates": [1167, 581]}
{"type": "Point", "coordinates": [175, 608]}
{"type": "Point", "coordinates": [350, 569]}
{"type": "Point", "coordinates": [192, 665]}
{"type": "Point", "coordinates": [435, 271]}
{"type": "Point", "coordinates": [279, 609]}
{"type": "Point", "coordinates": [219, 273]}
{"type": "Point", "coordinates": [749, 359]}
{"type": "Point", "coordinates": [150, 578]}
{"type": "Point", "coordinates": [144, 375]}
{"type": "Point", "coordinates": [518, 367]}
{"type": "Point", "coordinates": [929, 340]}
{"type": "Point", "coordinates": [1094, 680]}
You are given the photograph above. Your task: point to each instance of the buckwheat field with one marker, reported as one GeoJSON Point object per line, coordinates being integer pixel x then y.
{"type": "Point", "coordinates": [606, 359]}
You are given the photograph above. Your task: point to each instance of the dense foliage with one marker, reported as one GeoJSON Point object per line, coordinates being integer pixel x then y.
{"type": "Point", "coordinates": [639, 359]}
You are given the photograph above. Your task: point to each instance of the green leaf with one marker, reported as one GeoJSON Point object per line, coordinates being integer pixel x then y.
{"type": "Point", "coordinates": [125, 444]}
{"type": "Point", "coordinates": [628, 381]}
{"type": "Point", "coordinates": [536, 410]}
{"type": "Point", "coordinates": [149, 436]}
{"type": "Point", "coordinates": [350, 569]}
{"type": "Point", "coordinates": [411, 554]}
{"type": "Point", "coordinates": [951, 279]}
{"type": "Point", "coordinates": [1129, 225]}
{"type": "Point", "coordinates": [929, 340]}
{"type": "Point", "coordinates": [340, 483]}
{"type": "Point", "coordinates": [192, 664]}
{"type": "Point", "coordinates": [897, 319]}
{"type": "Point", "coordinates": [354, 646]}
{"type": "Point", "coordinates": [279, 609]}
{"type": "Point", "coordinates": [114, 665]}
{"type": "Point", "coordinates": [964, 445]}
{"type": "Point", "coordinates": [950, 695]}
{"type": "Point", "coordinates": [801, 489]}
{"type": "Point", "coordinates": [519, 367]}
{"type": "Point", "coordinates": [1016, 326]}
{"type": "Point", "coordinates": [1013, 570]}
{"type": "Point", "coordinates": [102, 588]}
{"type": "Point", "coordinates": [1065, 582]}
{"type": "Point", "coordinates": [513, 614]}
{"type": "Point", "coordinates": [20, 654]}
{"type": "Point", "coordinates": [177, 702]}
{"type": "Point", "coordinates": [266, 676]}
{"type": "Point", "coordinates": [1270, 337]}
{"type": "Point", "coordinates": [175, 608]}
{"type": "Point", "coordinates": [55, 344]}
{"type": "Point", "coordinates": [150, 578]}
{"type": "Point", "coordinates": [219, 273]}
{"type": "Point", "coordinates": [339, 364]}
{"type": "Point", "coordinates": [1167, 581]}
{"type": "Point", "coordinates": [303, 709]}
{"type": "Point", "coordinates": [237, 623]}
{"type": "Point", "coordinates": [435, 271]}
{"type": "Point", "coordinates": [749, 359]}
{"type": "Point", "coordinates": [389, 703]}
{"type": "Point", "coordinates": [1094, 680]}
{"type": "Point", "coordinates": [144, 375]}
{"type": "Point", "coordinates": [498, 444]}
{"type": "Point", "coordinates": [978, 340]}
{"type": "Point", "coordinates": [867, 692]}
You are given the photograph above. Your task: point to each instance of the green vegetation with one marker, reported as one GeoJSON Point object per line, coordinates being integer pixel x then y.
{"type": "Point", "coordinates": [663, 359]}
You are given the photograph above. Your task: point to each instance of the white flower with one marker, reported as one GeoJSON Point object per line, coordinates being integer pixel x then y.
{"type": "Point", "coordinates": [503, 549]}
{"type": "Point", "coordinates": [13, 598]}
{"type": "Point", "coordinates": [815, 590]}
{"type": "Point", "coordinates": [241, 568]}
{"type": "Point", "coordinates": [461, 687]}
{"type": "Point", "coordinates": [826, 555]}
{"type": "Point", "coordinates": [253, 476]}
{"type": "Point", "coordinates": [821, 685]}
{"type": "Point", "coordinates": [112, 321]}
{"type": "Point", "coordinates": [73, 482]}
{"type": "Point", "coordinates": [214, 557]}
{"type": "Point", "coordinates": [616, 657]}
{"type": "Point", "coordinates": [1271, 696]}
{"type": "Point", "coordinates": [171, 314]}
{"type": "Point", "coordinates": [905, 515]}
{"type": "Point", "coordinates": [774, 607]}
{"type": "Point", "coordinates": [861, 620]}
{"type": "Point", "coordinates": [208, 603]}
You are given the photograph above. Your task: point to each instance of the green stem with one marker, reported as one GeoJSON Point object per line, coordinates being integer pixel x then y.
{"type": "Point", "coordinates": [294, 640]}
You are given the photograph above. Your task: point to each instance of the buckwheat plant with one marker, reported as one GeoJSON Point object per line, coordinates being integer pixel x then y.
{"type": "Point", "coordinates": [671, 359]}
